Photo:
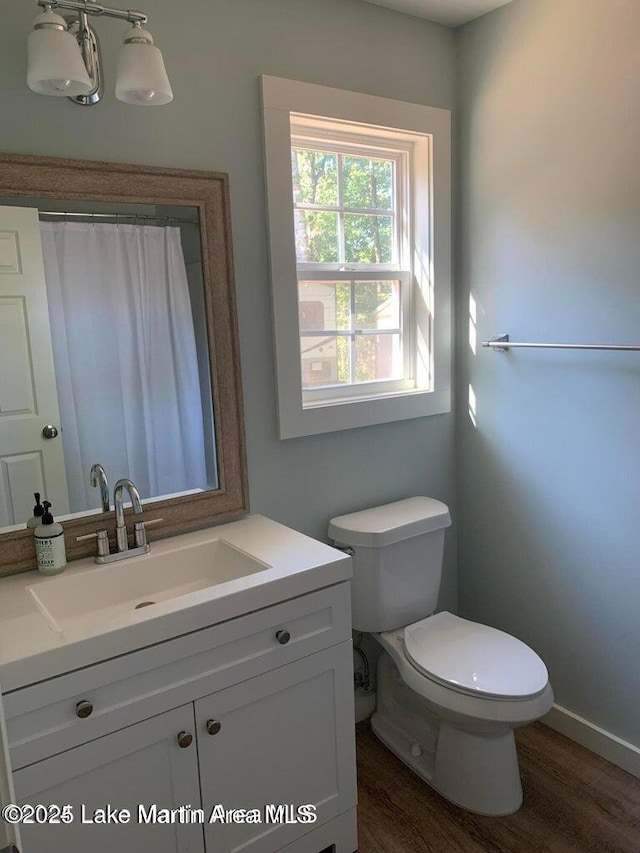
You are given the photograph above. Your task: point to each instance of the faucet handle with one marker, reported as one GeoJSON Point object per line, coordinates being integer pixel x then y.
{"type": "Point", "coordinates": [102, 538]}
{"type": "Point", "coordinates": [140, 531]}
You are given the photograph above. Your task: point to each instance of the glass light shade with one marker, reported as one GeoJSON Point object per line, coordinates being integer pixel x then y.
{"type": "Point", "coordinates": [141, 77]}
{"type": "Point", "coordinates": [55, 65]}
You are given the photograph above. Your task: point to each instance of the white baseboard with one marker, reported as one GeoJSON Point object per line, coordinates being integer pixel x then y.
{"type": "Point", "coordinates": [603, 743]}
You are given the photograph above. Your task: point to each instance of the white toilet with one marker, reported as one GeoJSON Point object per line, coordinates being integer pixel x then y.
{"type": "Point", "coordinates": [450, 692]}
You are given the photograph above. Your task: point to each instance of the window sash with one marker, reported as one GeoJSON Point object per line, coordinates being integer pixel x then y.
{"type": "Point", "coordinates": [359, 211]}
{"type": "Point", "coordinates": [343, 144]}
{"type": "Point", "coordinates": [398, 270]}
{"type": "Point", "coordinates": [325, 393]}
{"type": "Point", "coordinates": [352, 272]}
{"type": "Point", "coordinates": [348, 333]}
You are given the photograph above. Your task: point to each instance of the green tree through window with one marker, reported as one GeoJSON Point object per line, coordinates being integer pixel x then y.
{"type": "Point", "coordinates": [344, 208]}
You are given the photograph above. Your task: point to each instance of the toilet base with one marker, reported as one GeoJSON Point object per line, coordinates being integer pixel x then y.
{"type": "Point", "coordinates": [477, 771]}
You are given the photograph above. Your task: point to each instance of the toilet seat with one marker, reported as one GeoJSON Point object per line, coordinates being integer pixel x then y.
{"type": "Point", "coordinates": [474, 659]}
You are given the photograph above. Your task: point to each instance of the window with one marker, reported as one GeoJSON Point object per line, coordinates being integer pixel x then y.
{"type": "Point", "coordinates": [360, 273]}
{"type": "Point", "coordinates": [354, 282]}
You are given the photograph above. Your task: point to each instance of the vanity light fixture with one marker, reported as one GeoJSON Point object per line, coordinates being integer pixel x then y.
{"type": "Point", "coordinates": [64, 56]}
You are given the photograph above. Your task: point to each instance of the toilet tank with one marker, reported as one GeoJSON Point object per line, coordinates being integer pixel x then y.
{"type": "Point", "coordinates": [397, 561]}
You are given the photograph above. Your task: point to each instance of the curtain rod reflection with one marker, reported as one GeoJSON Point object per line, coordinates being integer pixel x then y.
{"type": "Point", "coordinates": [136, 217]}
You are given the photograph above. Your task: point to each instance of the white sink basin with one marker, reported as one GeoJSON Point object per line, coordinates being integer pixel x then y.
{"type": "Point", "coordinates": [49, 626]}
{"type": "Point", "coordinates": [110, 593]}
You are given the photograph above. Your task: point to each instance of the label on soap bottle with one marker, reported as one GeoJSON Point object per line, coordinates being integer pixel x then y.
{"type": "Point", "coordinates": [51, 554]}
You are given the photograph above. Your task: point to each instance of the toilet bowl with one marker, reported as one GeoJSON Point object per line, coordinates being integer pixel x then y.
{"type": "Point", "coordinates": [450, 692]}
{"type": "Point", "coordinates": [477, 685]}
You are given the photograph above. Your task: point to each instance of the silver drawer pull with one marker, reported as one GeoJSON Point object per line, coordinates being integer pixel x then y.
{"type": "Point", "coordinates": [213, 726]}
{"type": "Point", "coordinates": [283, 637]}
{"type": "Point", "coordinates": [84, 709]}
{"type": "Point", "coordinates": [185, 739]}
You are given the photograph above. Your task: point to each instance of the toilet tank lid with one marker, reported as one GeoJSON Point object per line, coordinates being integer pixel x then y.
{"type": "Point", "coordinates": [384, 525]}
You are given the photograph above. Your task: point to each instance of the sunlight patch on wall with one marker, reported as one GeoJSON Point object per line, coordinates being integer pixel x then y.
{"type": "Point", "coordinates": [472, 405]}
{"type": "Point", "coordinates": [473, 335]}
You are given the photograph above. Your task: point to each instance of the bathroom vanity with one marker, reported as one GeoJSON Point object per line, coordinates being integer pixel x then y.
{"type": "Point", "coordinates": [218, 717]}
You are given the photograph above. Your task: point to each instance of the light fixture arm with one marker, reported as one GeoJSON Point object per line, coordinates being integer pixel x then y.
{"type": "Point", "coordinates": [88, 7]}
{"type": "Point", "coordinates": [90, 50]}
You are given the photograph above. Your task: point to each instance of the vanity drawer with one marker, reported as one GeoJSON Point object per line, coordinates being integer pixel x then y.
{"type": "Point", "coordinates": [46, 718]}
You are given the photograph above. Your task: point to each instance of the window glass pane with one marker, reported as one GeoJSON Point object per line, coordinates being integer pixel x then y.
{"type": "Point", "coordinates": [368, 239]}
{"type": "Point", "coordinates": [377, 304]}
{"type": "Point", "coordinates": [316, 237]}
{"type": "Point", "coordinates": [325, 361]}
{"type": "Point", "coordinates": [324, 305]}
{"type": "Point", "coordinates": [378, 357]}
{"type": "Point", "coordinates": [315, 177]}
{"type": "Point", "coordinates": [367, 182]}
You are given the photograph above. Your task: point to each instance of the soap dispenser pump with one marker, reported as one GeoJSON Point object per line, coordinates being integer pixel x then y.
{"type": "Point", "coordinates": [38, 512]}
{"type": "Point", "coordinates": [50, 549]}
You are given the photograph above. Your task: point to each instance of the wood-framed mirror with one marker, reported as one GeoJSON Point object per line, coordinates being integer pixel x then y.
{"type": "Point", "coordinates": [118, 329]}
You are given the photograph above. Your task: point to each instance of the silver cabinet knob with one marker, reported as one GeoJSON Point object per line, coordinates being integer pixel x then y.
{"type": "Point", "coordinates": [283, 637]}
{"type": "Point", "coordinates": [213, 726]}
{"type": "Point", "coordinates": [84, 709]}
{"type": "Point", "coordinates": [185, 739]}
{"type": "Point", "coordinates": [49, 431]}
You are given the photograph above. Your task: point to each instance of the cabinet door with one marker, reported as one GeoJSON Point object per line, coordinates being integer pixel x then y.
{"type": "Point", "coordinates": [142, 764]}
{"type": "Point", "coordinates": [285, 738]}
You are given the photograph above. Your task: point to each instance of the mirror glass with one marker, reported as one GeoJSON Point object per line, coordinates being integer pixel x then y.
{"type": "Point", "coordinates": [114, 347]}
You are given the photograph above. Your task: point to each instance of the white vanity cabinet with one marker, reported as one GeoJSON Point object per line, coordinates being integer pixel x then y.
{"type": "Point", "coordinates": [283, 738]}
{"type": "Point", "coordinates": [140, 764]}
{"type": "Point", "coordinates": [248, 714]}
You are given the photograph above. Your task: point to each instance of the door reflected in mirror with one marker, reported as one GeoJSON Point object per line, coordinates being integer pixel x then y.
{"type": "Point", "coordinates": [104, 354]}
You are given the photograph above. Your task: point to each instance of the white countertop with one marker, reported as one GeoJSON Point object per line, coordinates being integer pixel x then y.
{"type": "Point", "coordinates": [30, 651]}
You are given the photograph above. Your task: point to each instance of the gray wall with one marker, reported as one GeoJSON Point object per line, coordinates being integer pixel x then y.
{"type": "Point", "coordinates": [550, 238]}
{"type": "Point", "coordinates": [215, 52]}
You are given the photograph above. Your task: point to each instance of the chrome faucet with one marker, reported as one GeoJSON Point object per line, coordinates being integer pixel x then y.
{"type": "Point", "coordinates": [141, 546]}
{"type": "Point", "coordinates": [98, 477]}
{"type": "Point", "coordinates": [122, 540]}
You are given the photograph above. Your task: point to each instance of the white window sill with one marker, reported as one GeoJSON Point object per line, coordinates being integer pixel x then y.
{"type": "Point", "coordinates": [331, 416]}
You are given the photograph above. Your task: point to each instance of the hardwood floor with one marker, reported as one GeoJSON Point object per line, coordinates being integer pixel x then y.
{"type": "Point", "coordinates": [574, 802]}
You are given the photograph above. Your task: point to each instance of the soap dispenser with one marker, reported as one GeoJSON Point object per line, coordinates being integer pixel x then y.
{"type": "Point", "coordinates": [50, 549]}
{"type": "Point", "coordinates": [38, 512]}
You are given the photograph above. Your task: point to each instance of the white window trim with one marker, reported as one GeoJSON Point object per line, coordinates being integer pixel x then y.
{"type": "Point", "coordinates": [431, 267]}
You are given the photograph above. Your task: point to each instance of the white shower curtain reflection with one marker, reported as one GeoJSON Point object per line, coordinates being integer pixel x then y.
{"type": "Point", "coordinates": [125, 357]}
